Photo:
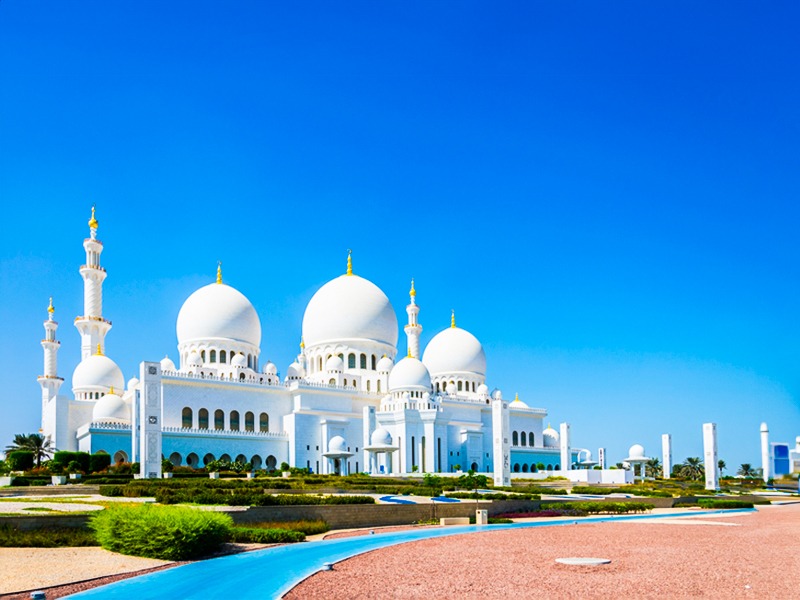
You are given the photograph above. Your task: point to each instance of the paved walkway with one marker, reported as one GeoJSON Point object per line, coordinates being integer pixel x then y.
{"type": "Point", "coordinates": [272, 572]}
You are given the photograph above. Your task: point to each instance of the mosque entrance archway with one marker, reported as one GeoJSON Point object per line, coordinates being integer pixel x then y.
{"type": "Point", "coordinates": [120, 457]}
{"type": "Point", "coordinates": [474, 466]}
{"type": "Point", "coordinates": [337, 466]}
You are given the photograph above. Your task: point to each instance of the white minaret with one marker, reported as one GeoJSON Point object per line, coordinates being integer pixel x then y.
{"type": "Point", "coordinates": [666, 454]}
{"type": "Point", "coordinates": [710, 455]}
{"type": "Point", "coordinates": [413, 329]}
{"type": "Point", "coordinates": [566, 451]}
{"type": "Point", "coordinates": [765, 452]}
{"type": "Point", "coordinates": [91, 325]}
{"type": "Point", "coordinates": [50, 381]}
{"type": "Point", "coordinates": [501, 445]}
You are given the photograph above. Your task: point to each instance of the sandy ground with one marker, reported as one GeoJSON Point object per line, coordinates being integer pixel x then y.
{"type": "Point", "coordinates": [754, 555]}
{"type": "Point", "coordinates": [746, 556]}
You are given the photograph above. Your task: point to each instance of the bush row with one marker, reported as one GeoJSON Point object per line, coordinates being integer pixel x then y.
{"type": "Point", "coordinates": [258, 535]}
{"type": "Point", "coordinates": [602, 491]}
{"type": "Point", "coordinates": [253, 498]}
{"type": "Point", "coordinates": [11, 537]}
{"type": "Point", "coordinates": [714, 503]}
{"type": "Point", "coordinates": [493, 496]}
{"type": "Point", "coordinates": [591, 508]}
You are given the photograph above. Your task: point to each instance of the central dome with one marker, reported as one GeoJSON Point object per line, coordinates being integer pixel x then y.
{"type": "Point", "coordinates": [218, 311]}
{"type": "Point", "coordinates": [349, 308]}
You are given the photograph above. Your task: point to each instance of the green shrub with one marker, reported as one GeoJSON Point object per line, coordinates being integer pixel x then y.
{"type": "Point", "coordinates": [307, 527]}
{"type": "Point", "coordinates": [112, 491]}
{"type": "Point", "coordinates": [11, 537]}
{"type": "Point", "coordinates": [99, 461]}
{"type": "Point", "coordinates": [258, 535]}
{"type": "Point", "coordinates": [20, 460]}
{"type": "Point", "coordinates": [165, 532]}
{"type": "Point", "coordinates": [714, 503]}
{"type": "Point", "coordinates": [64, 458]}
{"type": "Point", "coordinates": [617, 508]}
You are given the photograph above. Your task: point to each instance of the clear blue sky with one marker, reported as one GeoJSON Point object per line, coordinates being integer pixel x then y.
{"type": "Point", "coordinates": [605, 193]}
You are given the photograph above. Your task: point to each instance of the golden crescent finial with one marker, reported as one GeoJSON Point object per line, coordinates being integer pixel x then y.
{"type": "Point", "coordinates": [349, 261]}
{"type": "Point", "coordinates": [453, 319]}
{"type": "Point", "coordinates": [99, 350]}
{"type": "Point", "coordinates": [219, 271]}
{"type": "Point", "coordinates": [413, 292]}
{"type": "Point", "coordinates": [51, 309]}
{"type": "Point", "coordinates": [302, 343]}
{"type": "Point", "coordinates": [93, 221]}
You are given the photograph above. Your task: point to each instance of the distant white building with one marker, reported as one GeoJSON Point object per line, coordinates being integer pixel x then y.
{"type": "Point", "coordinates": [346, 404]}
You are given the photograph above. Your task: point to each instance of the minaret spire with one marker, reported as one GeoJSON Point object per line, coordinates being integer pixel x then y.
{"type": "Point", "coordinates": [349, 262]}
{"type": "Point", "coordinates": [50, 381]}
{"type": "Point", "coordinates": [413, 329]}
{"type": "Point", "coordinates": [219, 271]}
{"type": "Point", "coordinates": [91, 325]}
{"type": "Point", "coordinates": [453, 319]}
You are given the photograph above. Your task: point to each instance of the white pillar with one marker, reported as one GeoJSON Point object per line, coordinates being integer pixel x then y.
{"type": "Point", "coordinates": [150, 414]}
{"type": "Point", "coordinates": [566, 454]}
{"type": "Point", "coordinates": [501, 445]}
{"type": "Point", "coordinates": [765, 466]}
{"type": "Point", "coordinates": [666, 454]}
{"type": "Point", "coordinates": [601, 457]}
{"type": "Point", "coordinates": [710, 455]}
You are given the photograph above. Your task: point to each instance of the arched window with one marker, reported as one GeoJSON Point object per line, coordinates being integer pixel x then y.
{"type": "Point", "coordinates": [332, 381]}
{"type": "Point", "coordinates": [186, 418]}
{"type": "Point", "coordinates": [176, 459]}
{"type": "Point", "coordinates": [192, 460]}
{"type": "Point", "coordinates": [249, 361]}
{"type": "Point", "coordinates": [374, 362]}
{"type": "Point", "coordinates": [263, 422]}
{"type": "Point", "coordinates": [345, 383]}
{"type": "Point", "coordinates": [249, 421]}
{"type": "Point", "coordinates": [533, 468]}
{"type": "Point", "coordinates": [120, 457]}
{"type": "Point", "coordinates": [379, 385]}
{"type": "Point", "coordinates": [241, 458]}
{"type": "Point", "coordinates": [203, 355]}
{"type": "Point", "coordinates": [549, 467]}
{"type": "Point", "coordinates": [319, 361]}
{"type": "Point", "coordinates": [272, 462]}
{"type": "Point", "coordinates": [516, 467]}
{"type": "Point", "coordinates": [351, 361]}
{"type": "Point", "coordinates": [219, 419]}
{"type": "Point", "coordinates": [234, 420]}
{"type": "Point", "coordinates": [523, 439]}
{"type": "Point", "coordinates": [557, 468]}
{"type": "Point", "coordinates": [208, 458]}
{"type": "Point", "coordinates": [363, 361]}
{"type": "Point", "coordinates": [460, 386]}
{"type": "Point", "coordinates": [222, 356]}
{"type": "Point", "coordinates": [213, 356]}
{"type": "Point", "coordinates": [241, 376]}
{"type": "Point", "coordinates": [531, 439]}
{"type": "Point", "coordinates": [473, 386]}
{"type": "Point", "coordinates": [202, 417]}
{"type": "Point", "coordinates": [368, 385]}
{"type": "Point", "coordinates": [524, 468]}
{"type": "Point", "coordinates": [515, 439]}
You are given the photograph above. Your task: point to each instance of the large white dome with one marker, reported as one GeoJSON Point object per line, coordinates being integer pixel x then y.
{"type": "Point", "coordinates": [97, 373]}
{"type": "Point", "coordinates": [111, 408]}
{"type": "Point", "coordinates": [218, 311]}
{"type": "Point", "coordinates": [454, 350]}
{"type": "Point", "coordinates": [409, 373]}
{"type": "Point", "coordinates": [349, 308]}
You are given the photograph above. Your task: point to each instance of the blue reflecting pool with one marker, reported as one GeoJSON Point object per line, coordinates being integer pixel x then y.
{"type": "Point", "coordinates": [272, 572]}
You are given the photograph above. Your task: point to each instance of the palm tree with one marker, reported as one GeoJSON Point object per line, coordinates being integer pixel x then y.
{"type": "Point", "coordinates": [33, 442]}
{"type": "Point", "coordinates": [653, 467]}
{"type": "Point", "coordinates": [746, 470]}
{"type": "Point", "coordinates": [693, 469]}
{"type": "Point", "coordinates": [721, 466]}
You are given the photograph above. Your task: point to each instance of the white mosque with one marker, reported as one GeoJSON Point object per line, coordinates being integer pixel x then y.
{"type": "Point", "coordinates": [347, 404]}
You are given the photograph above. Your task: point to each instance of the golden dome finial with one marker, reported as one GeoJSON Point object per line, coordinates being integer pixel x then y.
{"type": "Point", "coordinates": [413, 292]}
{"type": "Point", "coordinates": [302, 343]}
{"type": "Point", "coordinates": [349, 261]}
{"type": "Point", "coordinates": [219, 271]}
{"type": "Point", "coordinates": [99, 350]}
{"type": "Point", "coordinates": [516, 397]}
{"type": "Point", "coordinates": [51, 309]}
{"type": "Point", "coordinates": [93, 221]}
{"type": "Point", "coordinates": [453, 319]}
{"type": "Point", "coordinates": [409, 352]}
{"type": "Point", "coordinates": [111, 390]}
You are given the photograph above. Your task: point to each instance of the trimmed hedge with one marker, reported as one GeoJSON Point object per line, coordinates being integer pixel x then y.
{"type": "Point", "coordinates": [11, 537]}
{"type": "Point", "coordinates": [257, 535]}
{"type": "Point", "coordinates": [493, 496]}
{"type": "Point", "coordinates": [99, 462]}
{"type": "Point", "coordinates": [62, 458]}
{"type": "Point", "coordinates": [252, 498]}
{"type": "Point", "coordinates": [165, 532]}
{"type": "Point", "coordinates": [714, 503]}
{"type": "Point", "coordinates": [593, 508]}
{"type": "Point", "coordinates": [20, 460]}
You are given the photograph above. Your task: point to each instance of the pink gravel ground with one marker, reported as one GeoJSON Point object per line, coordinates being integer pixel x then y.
{"type": "Point", "coordinates": [754, 555]}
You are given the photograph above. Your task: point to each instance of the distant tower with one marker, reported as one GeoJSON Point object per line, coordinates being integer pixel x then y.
{"type": "Point", "coordinates": [601, 457]}
{"type": "Point", "coordinates": [765, 452]}
{"type": "Point", "coordinates": [666, 454]}
{"type": "Point", "coordinates": [413, 329]}
{"type": "Point", "coordinates": [710, 455]}
{"type": "Point", "coordinates": [50, 381]}
{"type": "Point", "coordinates": [91, 325]}
{"type": "Point", "coordinates": [566, 451]}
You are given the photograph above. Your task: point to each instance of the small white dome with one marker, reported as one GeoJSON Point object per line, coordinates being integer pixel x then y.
{"type": "Point", "coordinates": [194, 359]}
{"type": "Point", "coordinates": [349, 308]}
{"type": "Point", "coordinates": [111, 408]}
{"type": "Point", "coordinates": [295, 371]}
{"type": "Point", "coordinates": [483, 389]}
{"type": "Point", "coordinates": [517, 403]}
{"type": "Point", "coordinates": [385, 364]}
{"type": "Point", "coordinates": [497, 394]}
{"type": "Point", "coordinates": [335, 364]}
{"type": "Point", "coordinates": [96, 373]}
{"type": "Point", "coordinates": [239, 360]}
{"type": "Point", "coordinates": [132, 383]}
{"type": "Point", "coordinates": [409, 373]}
{"type": "Point", "coordinates": [381, 437]}
{"type": "Point", "coordinates": [270, 368]}
{"type": "Point", "coordinates": [337, 444]}
{"type": "Point", "coordinates": [218, 311]}
{"type": "Point", "coordinates": [167, 364]}
{"type": "Point", "coordinates": [453, 351]}
{"type": "Point", "coordinates": [550, 437]}
{"type": "Point", "coordinates": [636, 451]}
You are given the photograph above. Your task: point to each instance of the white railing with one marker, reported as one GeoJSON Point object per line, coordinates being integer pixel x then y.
{"type": "Point", "coordinates": [226, 432]}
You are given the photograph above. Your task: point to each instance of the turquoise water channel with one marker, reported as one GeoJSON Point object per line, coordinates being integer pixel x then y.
{"type": "Point", "coordinates": [272, 572]}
